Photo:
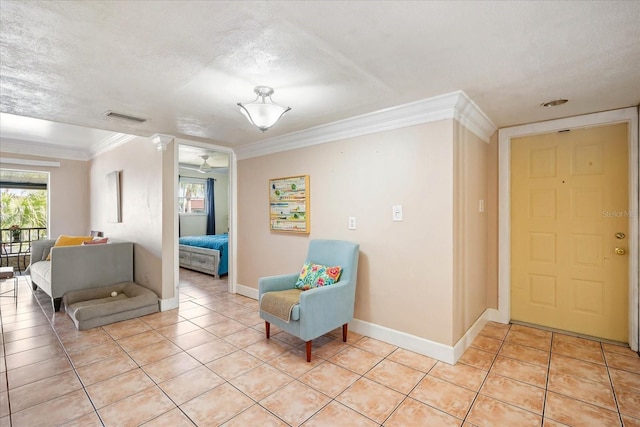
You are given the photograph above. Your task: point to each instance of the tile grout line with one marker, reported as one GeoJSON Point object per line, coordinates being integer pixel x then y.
{"type": "Point", "coordinates": [473, 401]}
{"type": "Point", "coordinates": [331, 399]}
{"type": "Point", "coordinates": [600, 344]}
{"type": "Point", "coordinates": [73, 366]}
{"type": "Point", "coordinates": [410, 391]}
{"type": "Point", "coordinates": [613, 390]}
{"type": "Point", "coordinates": [4, 349]}
{"type": "Point", "coordinates": [226, 381]}
{"type": "Point", "coordinates": [4, 360]}
{"type": "Point", "coordinates": [546, 383]}
{"type": "Point", "coordinates": [201, 364]}
{"type": "Point", "coordinates": [146, 374]}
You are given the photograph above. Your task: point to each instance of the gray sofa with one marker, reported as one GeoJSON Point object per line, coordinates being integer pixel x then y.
{"type": "Point", "coordinates": [78, 267]}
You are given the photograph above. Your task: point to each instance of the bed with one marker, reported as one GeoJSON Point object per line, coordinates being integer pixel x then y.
{"type": "Point", "coordinates": [207, 254]}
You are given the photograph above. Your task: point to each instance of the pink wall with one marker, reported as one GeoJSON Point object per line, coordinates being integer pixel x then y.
{"type": "Point", "coordinates": [68, 193]}
{"type": "Point", "coordinates": [426, 275]}
{"type": "Point", "coordinates": [140, 167]}
{"type": "Point", "coordinates": [470, 230]}
{"type": "Point", "coordinates": [405, 272]}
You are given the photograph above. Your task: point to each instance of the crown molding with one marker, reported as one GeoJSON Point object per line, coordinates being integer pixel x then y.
{"type": "Point", "coordinates": [34, 148]}
{"type": "Point", "coordinates": [161, 140]}
{"type": "Point", "coordinates": [455, 105]}
{"type": "Point", "coordinates": [110, 143]}
{"type": "Point", "coordinates": [473, 118]}
{"type": "Point", "coordinates": [42, 149]}
{"type": "Point", "coordinates": [29, 162]}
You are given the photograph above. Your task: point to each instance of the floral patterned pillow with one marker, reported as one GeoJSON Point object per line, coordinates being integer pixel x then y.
{"type": "Point", "coordinates": [315, 275]}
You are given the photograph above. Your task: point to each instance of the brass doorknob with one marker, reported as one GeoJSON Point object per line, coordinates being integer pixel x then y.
{"type": "Point", "coordinates": [620, 236]}
{"type": "Point", "coordinates": [620, 251]}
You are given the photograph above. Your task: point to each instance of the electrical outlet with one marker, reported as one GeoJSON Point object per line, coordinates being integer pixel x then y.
{"type": "Point", "coordinates": [481, 205]}
{"type": "Point", "coordinates": [352, 223]}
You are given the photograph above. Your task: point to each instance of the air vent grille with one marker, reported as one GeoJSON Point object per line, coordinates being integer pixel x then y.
{"type": "Point", "coordinates": [122, 116]}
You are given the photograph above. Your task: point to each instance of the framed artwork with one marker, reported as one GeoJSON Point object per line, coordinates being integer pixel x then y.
{"type": "Point", "coordinates": [114, 211]}
{"type": "Point", "coordinates": [289, 204]}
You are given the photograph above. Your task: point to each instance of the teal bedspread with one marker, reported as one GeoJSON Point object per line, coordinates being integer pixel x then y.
{"type": "Point", "coordinates": [219, 242]}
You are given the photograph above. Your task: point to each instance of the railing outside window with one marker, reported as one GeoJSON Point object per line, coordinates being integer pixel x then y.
{"type": "Point", "coordinates": [15, 246]}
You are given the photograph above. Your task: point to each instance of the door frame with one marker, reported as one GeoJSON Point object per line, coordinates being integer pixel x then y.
{"type": "Point", "coordinates": [231, 287]}
{"type": "Point", "coordinates": [627, 115]}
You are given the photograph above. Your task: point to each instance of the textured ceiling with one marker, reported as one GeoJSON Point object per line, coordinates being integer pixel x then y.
{"type": "Point", "coordinates": [184, 65]}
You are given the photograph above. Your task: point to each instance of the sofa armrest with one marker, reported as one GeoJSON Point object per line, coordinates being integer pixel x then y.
{"type": "Point", "coordinates": [323, 309]}
{"type": "Point", "coordinates": [40, 249]}
{"type": "Point", "coordinates": [276, 283]}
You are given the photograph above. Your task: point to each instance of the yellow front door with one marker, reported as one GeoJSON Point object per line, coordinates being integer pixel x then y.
{"type": "Point", "coordinates": [569, 227]}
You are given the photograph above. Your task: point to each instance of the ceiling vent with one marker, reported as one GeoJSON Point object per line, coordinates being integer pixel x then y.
{"type": "Point", "coordinates": [122, 116]}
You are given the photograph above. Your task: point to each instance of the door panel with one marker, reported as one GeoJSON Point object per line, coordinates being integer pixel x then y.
{"type": "Point", "coordinates": [568, 192]}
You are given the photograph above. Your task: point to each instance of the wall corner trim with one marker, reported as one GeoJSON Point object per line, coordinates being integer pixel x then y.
{"type": "Point", "coordinates": [490, 314]}
{"type": "Point", "coordinates": [169, 303]}
{"type": "Point", "coordinates": [473, 118]}
{"type": "Point", "coordinates": [455, 105]}
{"type": "Point", "coordinates": [247, 291]}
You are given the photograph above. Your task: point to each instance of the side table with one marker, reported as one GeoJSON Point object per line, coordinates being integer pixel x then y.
{"type": "Point", "coordinates": [5, 274]}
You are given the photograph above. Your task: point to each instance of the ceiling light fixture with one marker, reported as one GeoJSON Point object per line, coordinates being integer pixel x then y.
{"type": "Point", "coordinates": [262, 113]}
{"type": "Point", "coordinates": [554, 103]}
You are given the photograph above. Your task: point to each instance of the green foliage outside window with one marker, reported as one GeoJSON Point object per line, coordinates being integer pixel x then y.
{"type": "Point", "coordinates": [24, 208]}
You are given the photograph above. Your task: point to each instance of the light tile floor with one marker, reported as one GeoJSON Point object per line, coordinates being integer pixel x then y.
{"type": "Point", "coordinates": [209, 364]}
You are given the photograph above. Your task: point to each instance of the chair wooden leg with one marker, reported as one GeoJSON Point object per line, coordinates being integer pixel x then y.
{"type": "Point", "coordinates": [309, 351]}
{"type": "Point", "coordinates": [344, 332]}
{"type": "Point", "coordinates": [267, 327]}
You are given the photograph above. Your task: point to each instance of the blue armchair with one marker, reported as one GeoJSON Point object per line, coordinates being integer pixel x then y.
{"type": "Point", "coordinates": [323, 309]}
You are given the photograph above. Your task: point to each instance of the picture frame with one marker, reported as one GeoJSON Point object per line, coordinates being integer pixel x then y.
{"type": "Point", "coordinates": [114, 209]}
{"type": "Point", "coordinates": [289, 203]}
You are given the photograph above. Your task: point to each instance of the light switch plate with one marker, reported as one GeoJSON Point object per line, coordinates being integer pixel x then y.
{"type": "Point", "coordinates": [397, 212]}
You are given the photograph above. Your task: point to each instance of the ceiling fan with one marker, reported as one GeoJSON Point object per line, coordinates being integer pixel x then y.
{"type": "Point", "coordinates": [205, 167]}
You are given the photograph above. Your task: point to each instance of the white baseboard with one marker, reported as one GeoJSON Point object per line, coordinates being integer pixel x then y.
{"type": "Point", "coordinates": [490, 314]}
{"type": "Point", "coordinates": [494, 315]}
{"type": "Point", "coordinates": [446, 353]}
{"type": "Point", "coordinates": [247, 291]}
{"type": "Point", "coordinates": [436, 350]}
{"type": "Point", "coordinates": [413, 343]}
{"type": "Point", "coordinates": [169, 303]}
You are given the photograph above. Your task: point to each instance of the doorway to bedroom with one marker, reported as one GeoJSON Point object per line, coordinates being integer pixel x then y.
{"type": "Point", "coordinates": [203, 215]}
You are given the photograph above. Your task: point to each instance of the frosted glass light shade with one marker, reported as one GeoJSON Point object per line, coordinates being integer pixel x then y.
{"type": "Point", "coordinates": [263, 112]}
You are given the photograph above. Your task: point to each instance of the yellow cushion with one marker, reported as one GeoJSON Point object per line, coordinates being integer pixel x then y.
{"type": "Point", "coordinates": [63, 240]}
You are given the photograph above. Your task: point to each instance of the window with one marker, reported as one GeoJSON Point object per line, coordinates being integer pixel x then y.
{"type": "Point", "coordinates": [23, 205]}
{"type": "Point", "coordinates": [192, 195]}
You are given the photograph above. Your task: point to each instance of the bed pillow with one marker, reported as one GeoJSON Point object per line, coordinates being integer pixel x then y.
{"type": "Point", "coordinates": [316, 275]}
{"type": "Point", "coordinates": [63, 240]}
{"type": "Point", "coordinates": [96, 241]}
